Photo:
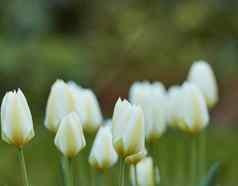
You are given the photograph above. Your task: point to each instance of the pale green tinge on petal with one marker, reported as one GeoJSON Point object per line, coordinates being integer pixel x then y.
{"type": "Point", "coordinates": [118, 145]}
{"type": "Point", "coordinates": [135, 158]}
{"type": "Point", "coordinates": [70, 138]}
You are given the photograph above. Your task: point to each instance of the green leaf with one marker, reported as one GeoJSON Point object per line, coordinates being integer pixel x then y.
{"type": "Point", "coordinates": [211, 178]}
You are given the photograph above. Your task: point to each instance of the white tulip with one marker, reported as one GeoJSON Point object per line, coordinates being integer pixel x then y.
{"type": "Point", "coordinates": [202, 75]}
{"type": "Point", "coordinates": [152, 99]}
{"type": "Point", "coordinates": [192, 110]}
{"type": "Point", "coordinates": [69, 138]}
{"type": "Point", "coordinates": [88, 108]}
{"type": "Point", "coordinates": [103, 154]}
{"type": "Point", "coordinates": [173, 97]}
{"type": "Point", "coordinates": [128, 131]}
{"type": "Point", "coordinates": [143, 173]}
{"type": "Point", "coordinates": [61, 101]}
{"type": "Point", "coordinates": [16, 119]}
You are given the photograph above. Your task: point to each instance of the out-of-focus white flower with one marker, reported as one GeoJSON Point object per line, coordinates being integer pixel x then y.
{"type": "Point", "coordinates": [192, 110]}
{"type": "Point", "coordinates": [16, 119]}
{"type": "Point", "coordinates": [173, 97]}
{"type": "Point", "coordinates": [69, 138]}
{"type": "Point", "coordinates": [103, 154]}
{"type": "Point", "coordinates": [61, 101]}
{"type": "Point", "coordinates": [128, 131]}
{"type": "Point", "coordinates": [88, 108]}
{"type": "Point", "coordinates": [202, 75]}
{"type": "Point", "coordinates": [143, 173]}
{"type": "Point", "coordinates": [152, 99]}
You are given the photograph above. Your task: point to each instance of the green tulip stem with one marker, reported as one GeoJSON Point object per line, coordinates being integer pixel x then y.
{"type": "Point", "coordinates": [202, 153]}
{"type": "Point", "coordinates": [135, 174]}
{"type": "Point", "coordinates": [23, 167]}
{"type": "Point", "coordinates": [122, 172]}
{"type": "Point", "coordinates": [193, 162]}
{"type": "Point", "coordinates": [67, 171]}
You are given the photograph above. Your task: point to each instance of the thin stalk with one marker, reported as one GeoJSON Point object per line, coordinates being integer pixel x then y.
{"type": "Point", "coordinates": [100, 178]}
{"type": "Point", "coordinates": [135, 174]}
{"type": "Point", "coordinates": [181, 169]}
{"type": "Point", "coordinates": [67, 171]}
{"type": "Point", "coordinates": [23, 167]}
{"type": "Point", "coordinates": [122, 172]}
{"type": "Point", "coordinates": [193, 162]}
{"type": "Point", "coordinates": [71, 175]}
{"type": "Point", "coordinates": [202, 153]}
{"type": "Point", "coordinates": [92, 172]}
{"type": "Point", "coordinates": [153, 153]}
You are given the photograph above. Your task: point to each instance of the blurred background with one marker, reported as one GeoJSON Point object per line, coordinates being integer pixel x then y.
{"type": "Point", "coordinates": [106, 46]}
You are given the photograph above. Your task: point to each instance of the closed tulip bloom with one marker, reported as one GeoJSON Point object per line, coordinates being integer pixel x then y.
{"type": "Point", "coordinates": [103, 154]}
{"type": "Point", "coordinates": [69, 138]}
{"type": "Point", "coordinates": [145, 173]}
{"type": "Point", "coordinates": [173, 97]}
{"type": "Point", "coordinates": [88, 108]}
{"type": "Point", "coordinates": [16, 119]}
{"type": "Point", "coordinates": [192, 111]}
{"type": "Point", "coordinates": [61, 101]}
{"type": "Point", "coordinates": [128, 131]}
{"type": "Point", "coordinates": [152, 99]}
{"type": "Point", "coordinates": [202, 75]}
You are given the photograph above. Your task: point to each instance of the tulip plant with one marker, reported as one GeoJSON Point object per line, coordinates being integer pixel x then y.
{"type": "Point", "coordinates": [73, 113]}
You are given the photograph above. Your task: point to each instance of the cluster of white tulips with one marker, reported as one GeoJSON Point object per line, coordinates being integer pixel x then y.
{"type": "Point", "coordinates": [73, 112]}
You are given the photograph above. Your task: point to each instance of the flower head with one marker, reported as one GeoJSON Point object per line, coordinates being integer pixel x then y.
{"type": "Point", "coordinates": [128, 131]}
{"type": "Point", "coordinates": [61, 101]}
{"type": "Point", "coordinates": [202, 75]}
{"type": "Point", "coordinates": [103, 154]}
{"type": "Point", "coordinates": [16, 119]}
{"type": "Point", "coordinates": [192, 112]}
{"type": "Point", "coordinates": [145, 173]}
{"type": "Point", "coordinates": [88, 108]}
{"type": "Point", "coordinates": [69, 138]}
{"type": "Point", "coordinates": [152, 99]}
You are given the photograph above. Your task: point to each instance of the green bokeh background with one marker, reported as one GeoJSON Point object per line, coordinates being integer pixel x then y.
{"type": "Point", "coordinates": [106, 45]}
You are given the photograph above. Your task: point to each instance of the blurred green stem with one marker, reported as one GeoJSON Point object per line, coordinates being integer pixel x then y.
{"type": "Point", "coordinates": [100, 178]}
{"type": "Point", "coordinates": [202, 153]}
{"type": "Point", "coordinates": [23, 167]}
{"type": "Point", "coordinates": [122, 172]}
{"type": "Point", "coordinates": [67, 171]}
{"type": "Point", "coordinates": [135, 173]}
{"type": "Point", "coordinates": [193, 163]}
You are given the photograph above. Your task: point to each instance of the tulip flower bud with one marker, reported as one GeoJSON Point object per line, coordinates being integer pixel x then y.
{"type": "Point", "coordinates": [128, 131]}
{"type": "Point", "coordinates": [103, 154]}
{"type": "Point", "coordinates": [145, 173]}
{"type": "Point", "coordinates": [69, 138]}
{"type": "Point", "coordinates": [16, 119]}
{"type": "Point", "coordinates": [202, 75]}
{"type": "Point", "coordinates": [88, 108]}
{"type": "Point", "coordinates": [152, 99]}
{"type": "Point", "coordinates": [173, 102]}
{"type": "Point", "coordinates": [61, 101]}
{"type": "Point", "coordinates": [192, 110]}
